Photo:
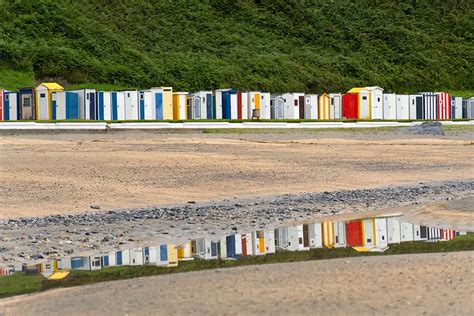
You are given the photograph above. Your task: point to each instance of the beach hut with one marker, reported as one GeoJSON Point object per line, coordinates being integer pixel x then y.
{"type": "Point", "coordinates": [416, 106]}
{"type": "Point", "coordinates": [324, 107]}
{"type": "Point", "coordinates": [298, 237]}
{"type": "Point", "coordinates": [87, 104]}
{"type": "Point", "coordinates": [5, 270]}
{"type": "Point", "coordinates": [247, 244]}
{"type": "Point", "coordinates": [81, 262]}
{"type": "Point", "coordinates": [10, 106]}
{"type": "Point", "coordinates": [430, 106]}
{"type": "Point", "coordinates": [470, 108]}
{"type": "Point", "coordinates": [315, 233]}
{"type": "Point", "coordinates": [339, 234]}
{"type": "Point", "coordinates": [243, 106]}
{"type": "Point", "coordinates": [277, 107]}
{"type": "Point", "coordinates": [403, 107]}
{"type": "Point", "coordinates": [434, 234]}
{"type": "Point", "coordinates": [328, 234]}
{"type": "Point", "coordinates": [180, 105]}
{"type": "Point", "coordinates": [48, 267]}
{"type": "Point", "coordinates": [389, 106]}
{"type": "Point", "coordinates": [65, 105]}
{"type": "Point", "coordinates": [205, 248]}
{"type": "Point", "coordinates": [350, 106]}
{"type": "Point", "coordinates": [258, 243]}
{"type": "Point", "coordinates": [265, 109]}
{"type": "Point", "coordinates": [131, 105]}
{"type": "Point", "coordinates": [166, 256]}
{"type": "Point", "coordinates": [335, 111]}
{"type": "Point", "coordinates": [292, 110]}
{"type": "Point", "coordinates": [282, 238]}
{"type": "Point", "coordinates": [26, 104]}
{"type": "Point", "coordinates": [393, 230]}
{"type": "Point", "coordinates": [444, 105]}
{"type": "Point", "coordinates": [226, 104]}
{"type": "Point", "coordinates": [311, 107]}
{"type": "Point", "coordinates": [406, 232]}
{"type": "Point", "coordinates": [136, 256]}
{"type": "Point", "coordinates": [363, 103]}
{"type": "Point", "coordinates": [233, 246]}
{"type": "Point", "coordinates": [104, 104]}
{"type": "Point", "coordinates": [1, 104]}
{"type": "Point", "coordinates": [448, 234]}
{"type": "Point", "coordinates": [43, 92]}
{"type": "Point", "coordinates": [108, 259]}
{"type": "Point", "coordinates": [254, 102]}
{"type": "Point", "coordinates": [185, 252]}
{"type": "Point", "coordinates": [354, 236]}
{"type": "Point", "coordinates": [368, 232]}
{"type": "Point", "coordinates": [117, 99]}
{"type": "Point", "coordinates": [269, 236]}
{"type": "Point", "coordinates": [122, 257]}
{"type": "Point", "coordinates": [370, 102]}
{"type": "Point", "coordinates": [146, 110]}
{"type": "Point", "coordinates": [381, 233]}
{"type": "Point", "coordinates": [162, 100]}
{"type": "Point", "coordinates": [419, 232]}
{"type": "Point", "coordinates": [456, 108]}
{"type": "Point", "coordinates": [201, 105]}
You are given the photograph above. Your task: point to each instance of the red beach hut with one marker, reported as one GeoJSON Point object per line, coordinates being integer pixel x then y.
{"type": "Point", "coordinates": [350, 106]}
{"type": "Point", "coordinates": [354, 233]}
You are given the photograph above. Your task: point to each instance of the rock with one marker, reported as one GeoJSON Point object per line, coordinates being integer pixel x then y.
{"type": "Point", "coordinates": [427, 128]}
{"type": "Point", "coordinates": [95, 207]}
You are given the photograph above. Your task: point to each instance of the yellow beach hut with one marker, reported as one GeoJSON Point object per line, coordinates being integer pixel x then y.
{"type": "Point", "coordinates": [324, 107]}
{"type": "Point", "coordinates": [44, 101]}
{"type": "Point", "coordinates": [180, 105]}
{"type": "Point", "coordinates": [328, 234]}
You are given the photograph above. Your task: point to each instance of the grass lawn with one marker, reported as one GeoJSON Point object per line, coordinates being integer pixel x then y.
{"type": "Point", "coordinates": [22, 284]}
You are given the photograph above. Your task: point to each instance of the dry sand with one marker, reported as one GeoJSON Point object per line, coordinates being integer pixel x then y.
{"type": "Point", "coordinates": [66, 173]}
{"type": "Point", "coordinates": [434, 284]}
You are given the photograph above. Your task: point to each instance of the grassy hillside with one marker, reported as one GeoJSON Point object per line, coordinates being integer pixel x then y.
{"type": "Point", "coordinates": [276, 45]}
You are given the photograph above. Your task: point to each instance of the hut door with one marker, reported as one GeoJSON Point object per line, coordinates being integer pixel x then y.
{"type": "Point", "coordinates": [43, 111]}
{"type": "Point", "coordinates": [159, 106]}
{"type": "Point", "coordinates": [209, 105]}
{"type": "Point", "coordinates": [244, 245]}
{"type": "Point", "coordinates": [26, 107]}
{"type": "Point", "coordinates": [92, 109]}
{"type": "Point", "coordinates": [305, 236]}
{"type": "Point", "coordinates": [196, 108]}
{"type": "Point", "coordinates": [419, 108]}
{"type": "Point", "coordinates": [301, 106]}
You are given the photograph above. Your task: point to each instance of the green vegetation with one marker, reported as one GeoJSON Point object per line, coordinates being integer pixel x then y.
{"type": "Point", "coordinates": [20, 284]}
{"type": "Point", "coordinates": [276, 45]}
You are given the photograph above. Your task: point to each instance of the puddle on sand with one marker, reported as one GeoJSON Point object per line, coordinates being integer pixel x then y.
{"type": "Point", "coordinates": [367, 234]}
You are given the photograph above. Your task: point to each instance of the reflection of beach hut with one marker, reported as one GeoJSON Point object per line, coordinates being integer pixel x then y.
{"type": "Point", "coordinates": [406, 232]}
{"type": "Point", "coordinates": [434, 234]}
{"type": "Point", "coordinates": [328, 234]}
{"type": "Point", "coordinates": [393, 230]}
{"type": "Point", "coordinates": [84, 262]}
{"type": "Point", "coordinates": [315, 235]}
{"type": "Point", "coordinates": [185, 252]}
{"type": "Point", "coordinates": [205, 248]}
{"type": "Point", "coordinates": [448, 234]}
{"type": "Point", "coordinates": [233, 246]}
{"type": "Point", "coordinates": [258, 242]}
{"type": "Point", "coordinates": [277, 105]}
{"type": "Point", "coordinates": [282, 241]}
{"type": "Point", "coordinates": [298, 237]}
{"type": "Point", "coordinates": [381, 234]}
{"type": "Point", "coordinates": [354, 236]}
{"type": "Point", "coordinates": [419, 232]}
{"type": "Point", "coordinates": [368, 232]}
{"type": "Point", "coordinates": [44, 108]}
{"type": "Point", "coordinates": [136, 256]}
{"type": "Point", "coordinates": [339, 234]}
{"type": "Point", "coordinates": [247, 245]}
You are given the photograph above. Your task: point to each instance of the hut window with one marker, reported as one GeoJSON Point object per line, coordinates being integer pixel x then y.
{"type": "Point", "coordinates": [296, 102]}
{"type": "Point", "coordinates": [364, 98]}
{"type": "Point", "coordinates": [7, 96]}
{"type": "Point", "coordinates": [369, 239]}
{"type": "Point", "coordinates": [383, 237]}
{"type": "Point", "coordinates": [26, 101]}
{"type": "Point", "coordinates": [271, 102]}
{"type": "Point", "coordinates": [128, 95]}
{"type": "Point", "coordinates": [141, 96]}
{"type": "Point", "coordinates": [332, 101]}
{"type": "Point", "coordinates": [42, 95]}
{"type": "Point", "coordinates": [87, 96]}
{"type": "Point", "coordinates": [300, 240]}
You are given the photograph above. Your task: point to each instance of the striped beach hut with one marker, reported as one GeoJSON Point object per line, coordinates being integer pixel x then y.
{"type": "Point", "coordinates": [444, 105]}
{"type": "Point", "coordinates": [180, 105]}
{"type": "Point", "coordinates": [324, 107]}
{"type": "Point", "coordinates": [434, 234]}
{"type": "Point", "coordinates": [448, 234]}
{"type": "Point", "coordinates": [430, 106]}
{"type": "Point", "coordinates": [43, 92]}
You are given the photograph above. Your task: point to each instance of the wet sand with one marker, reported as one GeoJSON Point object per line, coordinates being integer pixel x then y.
{"type": "Point", "coordinates": [433, 284]}
{"type": "Point", "coordinates": [67, 173]}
